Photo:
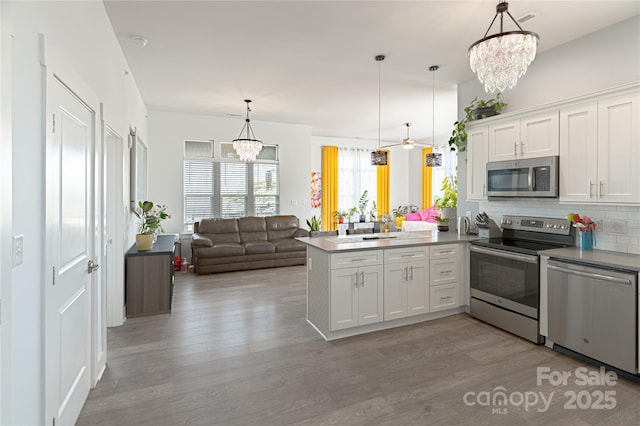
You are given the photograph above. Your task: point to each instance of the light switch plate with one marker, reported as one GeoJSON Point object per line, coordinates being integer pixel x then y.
{"type": "Point", "coordinates": [18, 250]}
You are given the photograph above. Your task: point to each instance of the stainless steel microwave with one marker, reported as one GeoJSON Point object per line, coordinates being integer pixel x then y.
{"type": "Point", "coordinates": [531, 177]}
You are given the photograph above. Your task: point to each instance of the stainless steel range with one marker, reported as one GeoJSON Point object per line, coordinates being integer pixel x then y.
{"type": "Point", "coordinates": [505, 272]}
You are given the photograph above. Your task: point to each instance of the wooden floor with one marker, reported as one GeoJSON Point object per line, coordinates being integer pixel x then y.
{"type": "Point", "coordinates": [237, 351]}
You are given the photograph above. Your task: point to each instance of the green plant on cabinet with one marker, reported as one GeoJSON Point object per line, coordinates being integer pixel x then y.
{"type": "Point", "coordinates": [476, 110]}
{"type": "Point", "coordinates": [314, 224]}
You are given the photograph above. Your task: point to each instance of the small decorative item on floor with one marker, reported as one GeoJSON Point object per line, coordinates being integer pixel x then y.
{"type": "Point", "coordinates": [586, 230]}
{"type": "Point", "coordinates": [149, 217]}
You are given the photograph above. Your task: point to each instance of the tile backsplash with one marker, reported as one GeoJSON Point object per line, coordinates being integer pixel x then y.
{"type": "Point", "coordinates": [618, 226]}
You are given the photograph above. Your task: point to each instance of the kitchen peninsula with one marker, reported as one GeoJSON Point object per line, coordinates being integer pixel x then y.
{"type": "Point", "coordinates": [368, 282]}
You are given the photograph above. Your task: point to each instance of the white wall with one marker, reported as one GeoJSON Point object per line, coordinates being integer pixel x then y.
{"type": "Point", "coordinates": [168, 130]}
{"type": "Point", "coordinates": [82, 31]}
{"type": "Point", "coordinates": [600, 60]}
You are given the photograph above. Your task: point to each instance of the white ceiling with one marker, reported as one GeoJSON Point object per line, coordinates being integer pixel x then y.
{"type": "Point", "coordinates": [312, 62]}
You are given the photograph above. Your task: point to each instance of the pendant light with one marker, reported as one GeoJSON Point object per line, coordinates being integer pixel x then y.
{"type": "Point", "coordinates": [502, 58]}
{"type": "Point", "coordinates": [433, 159]}
{"type": "Point", "coordinates": [378, 157]}
{"type": "Point", "coordinates": [249, 147]}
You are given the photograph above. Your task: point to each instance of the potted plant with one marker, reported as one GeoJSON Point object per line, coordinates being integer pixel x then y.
{"type": "Point", "coordinates": [340, 215]}
{"type": "Point", "coordinates": [351, 212]}
{"type": "Point", "coordinates": [443, 223]}
{"type": "Point", "coordinates": [448, 203]}
{"type": "Point", "coordinates": [373, 212]}
{"type": "Point", "coordinates": [149, 217]}
{"type": "Point", "coordinates": [476, 110]}
{"type": "Point", "coordinates": [362, 204]}
{"type": "Point", "coordinates": [314, 224]}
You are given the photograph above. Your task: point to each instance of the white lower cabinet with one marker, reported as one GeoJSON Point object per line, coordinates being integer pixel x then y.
{"type": "Point", "coordinates": [444, 280]}
{"type": "Point", "coordinates": [356, 296]}
{"type": "Point", "coordinates": [406, 282]}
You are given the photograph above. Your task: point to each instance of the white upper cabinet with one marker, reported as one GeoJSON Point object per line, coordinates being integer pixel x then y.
{"type": "Point", "coordinates": [528, 137]}
{"type": "Point", "coordinates": [619, 149]}
{"type": "Point", "coordinates": [477, 155]}
{"type": "Point", "coordinates": [578, 152]}
{"type": "Point", "coordinates": [600, 151]}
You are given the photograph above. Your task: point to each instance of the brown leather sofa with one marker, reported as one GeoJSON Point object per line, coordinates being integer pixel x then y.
{"type": "Point", "coordinates": [223, 245]}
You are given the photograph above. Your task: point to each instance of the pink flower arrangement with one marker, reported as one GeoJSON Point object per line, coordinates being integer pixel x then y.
{"type": "Point", "coordinates": [584, 223]}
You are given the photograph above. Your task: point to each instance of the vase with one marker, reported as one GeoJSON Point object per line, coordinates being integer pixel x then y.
{"type": "Point", "coordinates": [585, 240]}
{"type": "Point", "coordinates": [144, 242]}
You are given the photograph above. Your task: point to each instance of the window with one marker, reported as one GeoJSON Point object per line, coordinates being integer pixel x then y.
{"type": "Point", "coordinates": [448, 168]}
{"type": "Point", "coordinates": [355, 175]}
{"type": "Point", "coordinates": [229, 188]}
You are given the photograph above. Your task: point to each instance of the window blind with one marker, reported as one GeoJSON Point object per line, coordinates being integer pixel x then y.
{"type": "Point", "coordinates": [198, 191]}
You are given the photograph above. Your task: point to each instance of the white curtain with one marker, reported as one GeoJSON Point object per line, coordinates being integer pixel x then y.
{"type": "Point", "coordinates": [355, 175]}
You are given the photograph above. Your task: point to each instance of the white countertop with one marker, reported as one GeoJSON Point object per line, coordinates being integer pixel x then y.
{"type": "Point", "coordinates": [597, 257]}
{"type": "Point", "coordinates": [384, 240]}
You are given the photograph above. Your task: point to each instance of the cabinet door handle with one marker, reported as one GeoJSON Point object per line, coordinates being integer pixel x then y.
{"type": "Point", "coordinates": [356, 274]}
{"type": "Point", "coordinates": [484, 189]}
{"type": "Point", "coordinates": [362, 279]}
{"type": "Point", "coordinates": [521, 148]}
{"type": "Point", "coordinates": [515, 149]}
{"type": "Point", "coordinates": [591, 189]}
{"type": "Point", "coordinates": [411, 269]}
{"type": "Point", "coordinates": [601, 189]}
{"type": "Point", "coordinates": [405, 274]}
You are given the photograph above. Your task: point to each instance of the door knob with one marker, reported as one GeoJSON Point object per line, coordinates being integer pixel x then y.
{"type": "Point", "coordinates": [92, 266]}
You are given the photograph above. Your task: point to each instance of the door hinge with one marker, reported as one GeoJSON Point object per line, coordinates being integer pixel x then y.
{"type": "Point", "coordinates": [54, 275]}
{"type": "Point", "coordinates": [54, 123]}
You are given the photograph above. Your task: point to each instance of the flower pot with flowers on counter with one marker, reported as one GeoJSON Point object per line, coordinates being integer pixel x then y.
{"type": "Point", "coordinates": [586, 230]}
{"type": "Point", "coordinates": [149, 217]}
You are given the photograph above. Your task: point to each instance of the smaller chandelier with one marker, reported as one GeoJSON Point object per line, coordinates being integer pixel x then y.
{"type": "Point", "coordinates": [249, 147]}
{"type": "Point", "coordinates": [502, 58]}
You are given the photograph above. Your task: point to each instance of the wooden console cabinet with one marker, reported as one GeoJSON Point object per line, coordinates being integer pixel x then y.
{"type": "Point", "coordinates": [149, 278]}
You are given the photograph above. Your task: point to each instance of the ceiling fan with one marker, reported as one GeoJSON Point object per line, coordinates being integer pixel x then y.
{"type": "Point", "coordinates": [407, 143]}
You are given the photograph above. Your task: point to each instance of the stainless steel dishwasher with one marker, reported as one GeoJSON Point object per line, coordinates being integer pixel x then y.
{"type": "Point", "coordinates": [593, 311]}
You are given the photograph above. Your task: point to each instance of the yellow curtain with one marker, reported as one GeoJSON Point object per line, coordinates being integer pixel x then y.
{"type": "Point", "coordinates": [329, 187]}
{"type": "Point", "coordinates": [427, 181]}
{"type": "Point", "coordinates": [383, 186]}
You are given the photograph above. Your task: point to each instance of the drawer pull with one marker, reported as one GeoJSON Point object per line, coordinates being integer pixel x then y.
{"type": "Point", "coordinates": [446, 272]}
{"type": "Point", "coordinates": [446, 297]}
{"type": "Point", "coordinates": [408, 255]}
{"type": "Point", "coordinates": [446, 252]}
{"type": "Point", "coordinates": [358, 259]}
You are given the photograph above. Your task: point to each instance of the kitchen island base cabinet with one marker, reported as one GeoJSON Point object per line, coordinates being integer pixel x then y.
{"type": "Point", "coordinates": [356, 296]}
{"type": "Point", "coordinates": [356, 292]}
{"type": "Point", "coordinates": [406, 282]}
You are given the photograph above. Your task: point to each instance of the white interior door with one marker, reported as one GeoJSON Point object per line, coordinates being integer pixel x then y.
{"type": "Point", "coordinates": [113, 267]}
{"type": "Point", "coordinates": [70, 249]}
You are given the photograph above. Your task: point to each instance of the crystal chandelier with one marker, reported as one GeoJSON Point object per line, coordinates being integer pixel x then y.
{"type": "Point", "coordinates": [502, 58]}
{"type": "Point", "coordinates": [249, 147]}
{"type": "Point", "coordinates": [378, 157]}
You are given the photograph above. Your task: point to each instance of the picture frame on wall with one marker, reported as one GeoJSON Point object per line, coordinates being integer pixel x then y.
{"type": "Point", "coordinates": [138, 169]}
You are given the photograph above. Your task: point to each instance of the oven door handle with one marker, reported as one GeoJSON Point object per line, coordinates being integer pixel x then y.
{"type": "Point", "coordinates": [507, 255]}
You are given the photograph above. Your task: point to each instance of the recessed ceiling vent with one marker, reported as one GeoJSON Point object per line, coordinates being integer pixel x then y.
{"type": "Point", "coordinates": [527, 17]}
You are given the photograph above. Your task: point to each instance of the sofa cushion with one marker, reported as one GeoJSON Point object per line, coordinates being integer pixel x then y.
{"type": "Point", "coordinates": [221, 250]}
{"type": "Point", "coordinates": [259, 247]}
{"type": "Point", "coordinates": [288, 245]}
{"type": "Point", "coordinates": [198, 240]}
{"type": "Point", "coordinates": [220, 230]}
{"type": "Point", "coordinates": [252, 229]}
{"type": "Point", "coordinates": [281, 227]}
